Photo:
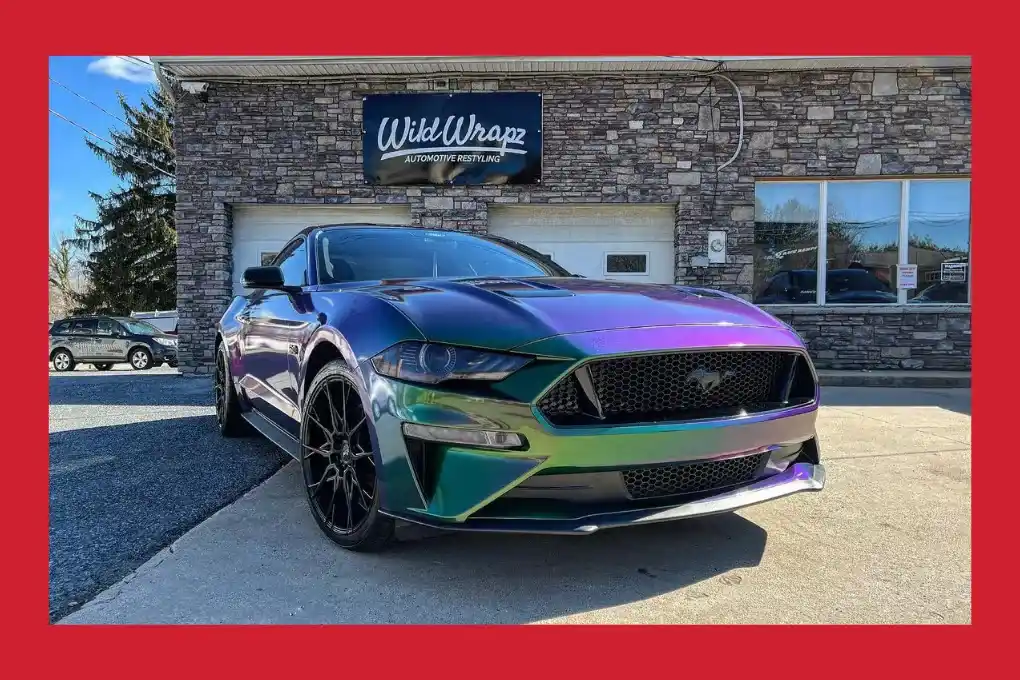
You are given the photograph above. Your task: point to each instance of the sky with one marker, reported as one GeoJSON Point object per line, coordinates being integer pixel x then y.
{"type": "Point", "coordinates": [74, 169]}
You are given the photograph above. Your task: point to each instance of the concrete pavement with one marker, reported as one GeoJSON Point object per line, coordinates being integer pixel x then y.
{"type": "Point", "coordinates": [888, 541]}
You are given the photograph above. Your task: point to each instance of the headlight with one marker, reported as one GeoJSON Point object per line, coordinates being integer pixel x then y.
{"type": "Point", "coordinates": [429, 363]}
{"type": "Point", "coordinates": [165, 342]}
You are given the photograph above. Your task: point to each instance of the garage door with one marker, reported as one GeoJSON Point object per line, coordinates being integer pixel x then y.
{"type": "Point", "coordinates": [261, 231]}
{"type": "Point", "coordinates": [624, 243]}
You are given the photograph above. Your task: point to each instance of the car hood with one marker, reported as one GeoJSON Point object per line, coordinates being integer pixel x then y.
{"type": "Point", "coordinates": [500, 313]}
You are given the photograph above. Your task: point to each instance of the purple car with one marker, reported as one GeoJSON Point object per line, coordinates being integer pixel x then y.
{"type": "Point", "coordinates": [468, 382]}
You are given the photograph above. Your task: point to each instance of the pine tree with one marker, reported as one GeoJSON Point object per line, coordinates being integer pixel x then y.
{"type": "Point", "coordinates": [131, 247]}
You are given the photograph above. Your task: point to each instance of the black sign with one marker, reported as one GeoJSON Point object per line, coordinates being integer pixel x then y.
{"type": "Point", "coordinates": [470, 138]}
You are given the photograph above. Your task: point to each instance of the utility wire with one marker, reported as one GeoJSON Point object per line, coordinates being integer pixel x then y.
{"type": "Point", "coordinates": [103, 139]}
{"type": "Point", "coordinates": [135, 60]}
{"type": "Point", "coordinates": [112, 115]}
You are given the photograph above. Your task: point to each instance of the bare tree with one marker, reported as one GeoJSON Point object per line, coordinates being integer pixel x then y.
{"type": "Point", "coordinates": [65, 272]}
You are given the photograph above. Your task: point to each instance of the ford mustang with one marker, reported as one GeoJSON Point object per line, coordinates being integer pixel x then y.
{"type": "Point", "coordinates": [468, 382]}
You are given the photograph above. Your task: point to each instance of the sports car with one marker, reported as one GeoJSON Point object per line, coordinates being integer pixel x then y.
{"type": "Point", "coordinates": [467, 382]}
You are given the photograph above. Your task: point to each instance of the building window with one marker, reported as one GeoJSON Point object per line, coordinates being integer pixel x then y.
{"type": "Point", "coordinates": [938, 238]}
{"type": "Point", "coordinates": [266, 259]}
{"type": "Point", "coordinates": [871, 229]}
{"type": "Point", "coordinates": [786, 218]}
{"type": "Point", "coordinates": [626, 264]}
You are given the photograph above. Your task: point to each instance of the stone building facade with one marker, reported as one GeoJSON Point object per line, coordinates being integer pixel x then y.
{"type": "Point", "coordinates": [618, 140]}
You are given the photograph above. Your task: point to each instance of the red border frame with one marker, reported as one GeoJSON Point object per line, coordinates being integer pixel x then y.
{"type": "Point", "coordinates": [36, 30]}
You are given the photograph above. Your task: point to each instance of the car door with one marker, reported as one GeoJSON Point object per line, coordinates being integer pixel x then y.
{"type": "Point", "coordinates": [83, 340]}
{"type": "Point", "coordinates": [273, 325]}
{"type": "Point", "coordinates": [109, 340]}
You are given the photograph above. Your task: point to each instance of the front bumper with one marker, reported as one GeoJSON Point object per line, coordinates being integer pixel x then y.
{"type": "Point", "coordinates": [458, 487]}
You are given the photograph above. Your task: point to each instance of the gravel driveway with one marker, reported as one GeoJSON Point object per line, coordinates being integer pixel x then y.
{"type": "Point", "coordinates": [135, 462]}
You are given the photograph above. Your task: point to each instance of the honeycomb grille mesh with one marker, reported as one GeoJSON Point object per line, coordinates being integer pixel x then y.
{"type": "Point", "coordinates": [687, 478]}
{"type": "Point", "coordinates": [678, 386]}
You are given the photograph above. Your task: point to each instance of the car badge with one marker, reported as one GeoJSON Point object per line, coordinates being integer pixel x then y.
{"type": "Point", "coordinates": [707, 380]}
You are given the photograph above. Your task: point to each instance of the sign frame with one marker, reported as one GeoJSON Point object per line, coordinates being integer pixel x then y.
{"type": "Point", "coordinates": [451, 154]}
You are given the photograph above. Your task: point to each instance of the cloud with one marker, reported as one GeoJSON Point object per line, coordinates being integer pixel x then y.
{"type": "Point", "coordinates": [124, 68]}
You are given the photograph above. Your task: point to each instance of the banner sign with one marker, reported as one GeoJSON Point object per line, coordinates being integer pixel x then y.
{"type": "Point", "coordinates": [467, 138]}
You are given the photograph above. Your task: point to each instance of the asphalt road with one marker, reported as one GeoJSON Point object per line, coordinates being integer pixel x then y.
{"type": "Point", "coordinates": [887, 541]}
{"type": "Point", "coordinates": [135, 462]}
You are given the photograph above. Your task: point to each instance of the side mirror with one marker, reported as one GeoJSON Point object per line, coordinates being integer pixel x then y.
{"type": "Point", "coordinates": [268, 278]}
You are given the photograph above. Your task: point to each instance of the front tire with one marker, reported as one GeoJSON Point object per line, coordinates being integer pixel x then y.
{"type": "Point", "coordinates": [140, 359]}
{"type": "Point", "coordinates": [63, 360]}
{"type": "Point", "coordinates": [339, 464]}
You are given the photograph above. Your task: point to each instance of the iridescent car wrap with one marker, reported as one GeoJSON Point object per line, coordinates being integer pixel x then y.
{"type": "Point", "coordinates": [592, 468]}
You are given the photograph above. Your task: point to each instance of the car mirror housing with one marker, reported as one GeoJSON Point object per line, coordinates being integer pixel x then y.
{"type": "Point", "coordinates": [263, 278]}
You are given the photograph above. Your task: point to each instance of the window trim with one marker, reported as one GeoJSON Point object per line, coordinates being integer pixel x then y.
{"type": "Point", "coordinates": [263, 253]}
{"type": "Point", "coordinates": [605, 262]}
{"type": "Point", "coordinates": [903, 237]}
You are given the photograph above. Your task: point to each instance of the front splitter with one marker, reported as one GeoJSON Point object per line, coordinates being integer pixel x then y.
{"type": "Point", "coordinates": [798, 478]}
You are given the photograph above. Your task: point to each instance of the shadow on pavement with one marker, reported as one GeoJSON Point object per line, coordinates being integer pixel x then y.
{"type": "Point", "coordinates": [129, 389]}
{"type": "Point", "coordinates": [118, 494]}
{"type": "Point", "coordinates": [527, 578]}
{"type": "Point", "coordinates": [956, 400]}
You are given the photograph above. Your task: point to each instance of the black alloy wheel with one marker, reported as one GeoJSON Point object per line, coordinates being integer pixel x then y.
{"type": "Point", "coordinates": [339, 464]}
{"type": "Point", "coordinates": [228, 407]}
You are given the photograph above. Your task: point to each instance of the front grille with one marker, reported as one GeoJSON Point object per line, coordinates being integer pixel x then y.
{"type": "Point", "coordinates": [677, 387]}
{"type": "Point", "coordinates": [688, 478]}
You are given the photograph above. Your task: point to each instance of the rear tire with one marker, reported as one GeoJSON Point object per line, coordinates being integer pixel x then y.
{"type": "Point", "coordinates": [63, 360]}
{"type": "Point", "coordinates": [140, 359]}
{"type": "Point", "coordinates": [339, 465]}
{"type": "Point", "coordinates": [225, 400]}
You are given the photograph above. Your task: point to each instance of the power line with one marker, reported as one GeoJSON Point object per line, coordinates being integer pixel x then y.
{"type": "Point", "coordinates": [103, 139]}
{"type": "Point", "coordinates": [134, 60]}
{"type": "Point", "coordinates": [111, 115]}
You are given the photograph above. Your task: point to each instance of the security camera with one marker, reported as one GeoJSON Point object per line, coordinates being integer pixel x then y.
{"type": "Point", "coordinates": [193, 87]}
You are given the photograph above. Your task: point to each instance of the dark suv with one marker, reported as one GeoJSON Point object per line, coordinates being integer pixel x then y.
{"type": "Point", "coordinates": [105, 340]}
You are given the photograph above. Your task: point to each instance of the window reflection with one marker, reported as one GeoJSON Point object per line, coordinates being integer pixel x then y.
{"type": "Point", "coordinates": [785, 242]}
{"type": "Point", "coordinates": [862, 242]}
{"type": "Point", "coordinates": [938, 230]}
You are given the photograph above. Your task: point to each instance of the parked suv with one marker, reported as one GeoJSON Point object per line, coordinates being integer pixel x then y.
{"type": "Point", "coordinates": [105, 340]}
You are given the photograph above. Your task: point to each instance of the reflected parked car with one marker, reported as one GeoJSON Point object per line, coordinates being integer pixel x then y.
{"type": "Point", "coordinates": [842, 286]}
{"type": "Point", "coordinates": [944, 292]}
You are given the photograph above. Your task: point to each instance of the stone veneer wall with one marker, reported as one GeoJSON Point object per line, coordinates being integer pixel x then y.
{"type": "Point", "coordinates": [934, 337]}
{"type": "Point", "coordinates": [613, 140]}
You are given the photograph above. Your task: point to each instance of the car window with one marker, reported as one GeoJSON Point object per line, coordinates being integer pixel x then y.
{"type": "Point", "coordinates": [61, 328]}
{"type": "Point", "coordinates": [352, 254]}
{"type": "Point", "coordinates": [139, 327]}
{"type": "Point", "coordinates": [105, 327]}
{"type": "Point", "coordinates": [293, 261]}
{"type": "Point", "coordinates": [83, 327]}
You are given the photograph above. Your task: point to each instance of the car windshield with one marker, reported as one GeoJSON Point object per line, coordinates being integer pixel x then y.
{"type": "Point", "coordinates": [140, 327]}
{"type": "Point", "coordinates": [375, 254]}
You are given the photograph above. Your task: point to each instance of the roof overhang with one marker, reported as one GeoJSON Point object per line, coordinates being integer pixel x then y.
{"type": "Point", "coordinates": [302, 68]}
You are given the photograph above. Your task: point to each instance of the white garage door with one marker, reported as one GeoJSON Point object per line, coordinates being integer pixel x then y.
{"type": "Point", "coordinates": [620, 242]}
{"type": "Point", "coordinates": [260, 231]}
